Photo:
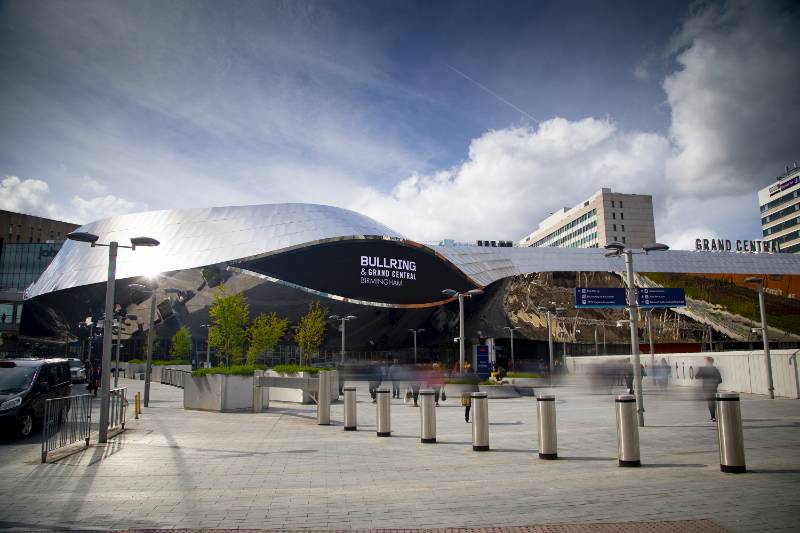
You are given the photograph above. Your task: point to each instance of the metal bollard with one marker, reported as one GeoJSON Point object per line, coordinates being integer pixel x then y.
{"type": "Point", "coordinates": [427, 418]}
{"type": "Point", "coordinates": [350, 422]}
{"type": "Point", "coordinates": [384, 420]}
{"type": "Point", "coordinates": [546, 417]}
{"type": "Point", "coordinates": [729, 426]}
{"type": "Point", "coordinates": [627, 431]}
{"type": "Point", "coordinates": [324, 398]}
{"type": "Point", "coordinates": [480, 421]}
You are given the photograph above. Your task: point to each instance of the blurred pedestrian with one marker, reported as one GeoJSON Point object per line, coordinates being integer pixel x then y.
{"type": "Point", "coordinates": [711, 378]}
{"type": "Point", "coordinates": [394, 375]}
{"type": "Point", "coordinates": [466, 401]}
{"type": "Point", "coordinates": [663, 375]}
{"type": "Point", "coordinates": [627, 373]}
{"type": "Point", "coordinates": [375, 379]}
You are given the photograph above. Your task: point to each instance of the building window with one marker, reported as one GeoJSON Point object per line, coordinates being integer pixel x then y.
{"type": "Point", "coordinates": [620, 204]}
{"type": "Point", "coordinates": [614, 216]}
{"type": "Point", "coordinates": [623, 227]}
{"type": "Point", "coordinates": [615, 227]}
{"type": "Point", "coordinates": [623, 240]}
{"type": "Point", "coordinates": [612, 203]}
{"type": "Point", "coordinates": [622, 216]}
{"type": "Point", "coordinates": [616, 239]}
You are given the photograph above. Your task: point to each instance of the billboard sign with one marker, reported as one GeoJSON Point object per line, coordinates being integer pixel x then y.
{"type": "Point", "coordinates": [366, 270]}
{"type": "Point", "coordinates": [588, 297]}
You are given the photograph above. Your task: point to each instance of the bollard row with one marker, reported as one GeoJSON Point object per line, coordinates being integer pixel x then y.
{"type": "Point", "coordinates": [731, 441]}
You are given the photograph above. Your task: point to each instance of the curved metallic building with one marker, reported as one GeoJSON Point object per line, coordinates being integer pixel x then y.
{"type": "Point", "coordinates": [322, 250]}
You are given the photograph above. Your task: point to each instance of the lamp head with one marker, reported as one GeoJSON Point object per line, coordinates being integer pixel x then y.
{"type": "Point", "coordinates": [334, 317]}
{"type": "Point", "coordinates": [450, 292]}
{"type": "Point", "coordinates": [351, 317]}
{"type": "Point", "coordinates": [143, 241]}
{"type": "Point", "coordinates": [615, 246]}
{"type": "Point", "coordinates": [754, 280]}
{"type": "Point", "coordinates": [475, 292]}
{"type": "Point", "coordinates": [655, 247]}
{"type": "Point", "coordinates": [82, 236]}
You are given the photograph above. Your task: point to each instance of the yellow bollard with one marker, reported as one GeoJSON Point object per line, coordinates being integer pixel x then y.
{"type": "Point", "coordinates": [137, 406]}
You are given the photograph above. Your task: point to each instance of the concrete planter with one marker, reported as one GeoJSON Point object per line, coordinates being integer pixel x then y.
{"type": "Point", "coordinates": [300, 395]}
{"type": "Point", "coordinates": [454, 390]}
{"type": "Point", "coordinates": [499, 391]}
{"type": "Point", "coordinates": [218, 392]}
{"type": "Point", "coordinates": [131, 369]}
{"type": "Point", "coordinates": [155, 374]}
{"type": "Point", "coordinates": [528, 386]}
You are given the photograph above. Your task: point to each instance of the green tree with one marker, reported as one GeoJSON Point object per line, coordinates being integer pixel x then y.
{"type": "Point", "coordinates": [229, 316]}
{"type": "Point", "coordinates": [264, 333]}
{"type": "Point", "coordinates": [181, 341]}
{"type": "Point", "coordinates": [311, 331]}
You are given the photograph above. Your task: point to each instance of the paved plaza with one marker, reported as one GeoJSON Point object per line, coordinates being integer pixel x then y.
{"type": "Point", "coordinates": [279, 470]}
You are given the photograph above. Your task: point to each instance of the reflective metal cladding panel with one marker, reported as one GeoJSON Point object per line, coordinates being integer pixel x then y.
{"type": "Point", "coordinates": [486, 265]}
{"type": "Point", "coordinates": [193, 238]}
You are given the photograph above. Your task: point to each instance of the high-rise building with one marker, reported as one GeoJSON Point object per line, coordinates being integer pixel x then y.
{"type": "Point", "coordinates": [605, 217]}
{"type": "Point", "coordinates": [780, 211]}
{"type": "Point", "coordinates": [27, 245]}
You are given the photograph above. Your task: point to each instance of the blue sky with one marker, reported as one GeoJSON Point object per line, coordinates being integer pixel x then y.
{"type": "Point", "coordinates": [440, 119]}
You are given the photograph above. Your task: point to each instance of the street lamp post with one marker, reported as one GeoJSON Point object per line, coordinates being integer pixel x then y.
{"type": "Point", "coordinates": [414, 333]}
{"type": "Point", "coordinates": [105, 377]}
{"type": "Point", "coordinates": [615, 250]}
{"type": "Point", "coordinates": [344, 319]}
{"type": "Point", "coordinates": [550, 311]}
{"type": "Point", "coordinates": [460, 295]}
{"type": "Point", "coordinates": [208, 344]}
{"type": "Point", "coordinates": [149, 347]}
{"type": "Point", "coordinates": [511, 332]}
{"type": "Point", "coordinates": [116, 362]}
{"type": "Point", "coordinates": [764, 331]}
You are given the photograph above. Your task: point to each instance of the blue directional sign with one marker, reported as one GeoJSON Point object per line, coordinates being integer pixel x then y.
{"type": "Point", "coordinates": [586, 297]}
{"type": "Point", "coordinates": [483, 361]}
{"type": "Point", "coordinates": [661, 297]}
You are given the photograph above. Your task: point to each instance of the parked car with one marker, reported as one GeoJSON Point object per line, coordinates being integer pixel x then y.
{"type": "Point", "coordinates": [25, 385]}
{"type": "Point", "coordinates": [77, 370]}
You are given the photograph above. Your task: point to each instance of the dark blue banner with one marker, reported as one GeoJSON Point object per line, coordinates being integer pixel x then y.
{"type": "Point", "coordinates": [483, 361]}
{"type": "Point", "coordinates": [661, 297]}
{"type": "Point", "coordinates": [599, 297]}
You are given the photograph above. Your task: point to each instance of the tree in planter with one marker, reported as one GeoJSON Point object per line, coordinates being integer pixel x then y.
{"type": "Point", "coordinates": [311, 331]}
{"type": "Point", "coordinates": [181, 342]}
{"type": "Point", "coordinates": [264, 333]}
{"type": "Point", "coordinates": [229, 315]}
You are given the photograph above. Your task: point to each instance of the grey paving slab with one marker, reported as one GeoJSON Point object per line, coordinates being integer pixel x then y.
{"type": "Point", "coordinates": [278, 469]}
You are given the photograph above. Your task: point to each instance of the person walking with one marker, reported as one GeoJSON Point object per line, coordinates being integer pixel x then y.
{"type": "Point", "coordinates": [374, 380]}
{"type": "Point", "coordinates": [711, 378]}
{"type": "Point", "coordinates": [627, 371]}
{"type": "Point", "coordinates": [394, 376]}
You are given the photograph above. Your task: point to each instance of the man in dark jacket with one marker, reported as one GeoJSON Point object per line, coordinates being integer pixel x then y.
{"type": "Point", "coordinates": [711, 380]}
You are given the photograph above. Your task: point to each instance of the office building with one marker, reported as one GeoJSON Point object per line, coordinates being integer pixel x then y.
{"type": "Point", "coordinates": [605, 217]}
{"type": "Point", "coordinates": [27, 245]}
{"type": "Point", "coordinates": [780, 211]}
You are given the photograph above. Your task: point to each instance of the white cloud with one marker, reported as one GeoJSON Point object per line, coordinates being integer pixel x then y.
{"type": "Point", "coordinates": [31, 196]}
{"type": "Point", "coordinates": [735, 112]}
{"type": "Point", "coordinates": [25, 196]}
{"type": "Point", "coordinates": [515, 176]}
{"type": "Point", "coordinates": [93, 185]}
{"type": "Point", "coordinates": [89, 209]}
{"type": "Point", "coordinates": [641, 71]}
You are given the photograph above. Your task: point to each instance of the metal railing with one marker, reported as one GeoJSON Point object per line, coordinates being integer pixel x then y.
{"type": "Point", "coordinates": [118, 406]}
{"type": "Point", "coordinates": [174, 377]}
{"type": "Point", "coordinates": [67, 421]}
